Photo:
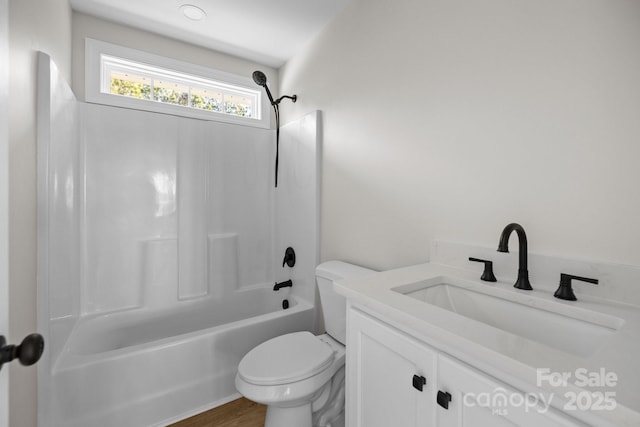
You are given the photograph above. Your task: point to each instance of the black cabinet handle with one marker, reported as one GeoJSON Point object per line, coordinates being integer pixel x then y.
{"type": "Point", "coordinates": [444, 398]}
{"type": "Point", "coordinates": [419, 382]}
{"type": "Point", "coordinates": [28, 352]}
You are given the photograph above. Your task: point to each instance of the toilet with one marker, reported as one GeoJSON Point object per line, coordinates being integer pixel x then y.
{"type": "Point", "coordinates": [300, 376]}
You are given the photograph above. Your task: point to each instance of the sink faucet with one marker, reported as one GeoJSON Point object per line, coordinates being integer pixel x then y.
{"type": "Point", "coordinates": [523, 273]}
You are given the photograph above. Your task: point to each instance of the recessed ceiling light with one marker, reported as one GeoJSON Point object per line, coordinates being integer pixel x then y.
{"type": "Point", "coordinates": [193, 12]}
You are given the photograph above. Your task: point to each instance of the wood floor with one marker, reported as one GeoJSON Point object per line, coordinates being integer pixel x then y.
{"type": "Point", "coordinates": [237, 413]}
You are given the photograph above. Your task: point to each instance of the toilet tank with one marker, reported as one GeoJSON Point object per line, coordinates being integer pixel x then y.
{"type": "Point", "coordinates": [334, 305]}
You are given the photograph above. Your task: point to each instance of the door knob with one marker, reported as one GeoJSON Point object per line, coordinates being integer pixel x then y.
{"type": "Point", "coordinates": [28, 352]}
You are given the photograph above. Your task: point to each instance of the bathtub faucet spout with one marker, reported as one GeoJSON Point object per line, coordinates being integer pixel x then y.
{"type": "Point", "coordinates": [285, 284]}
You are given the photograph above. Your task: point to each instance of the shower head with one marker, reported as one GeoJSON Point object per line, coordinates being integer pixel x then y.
{"type": "Point", "coordinates": [261, 80]}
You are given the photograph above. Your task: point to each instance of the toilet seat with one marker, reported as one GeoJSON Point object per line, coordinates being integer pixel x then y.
{"type": "Point", "coordinates": [286, 359]}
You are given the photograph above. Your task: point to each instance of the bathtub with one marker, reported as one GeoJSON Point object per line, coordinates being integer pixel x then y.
{"type": "Point", "coordinates": [144, 368]}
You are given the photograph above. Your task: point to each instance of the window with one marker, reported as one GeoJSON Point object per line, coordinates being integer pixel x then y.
{"type": "Point", "coordinates": [129, 78]}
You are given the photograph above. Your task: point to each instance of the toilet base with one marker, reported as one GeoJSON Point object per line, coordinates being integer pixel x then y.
{"type": "Point", "coordinates": [297, 416]}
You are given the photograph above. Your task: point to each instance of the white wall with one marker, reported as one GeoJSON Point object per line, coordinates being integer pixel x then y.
{"type": "Point", "coordinates": [4, 200]}
{"type": "Point", "coordinates": [452, 118]}
{"type": "Point", "coordinates": [88, 26]}
{"type": "Point", "coordinates": [34, 25]}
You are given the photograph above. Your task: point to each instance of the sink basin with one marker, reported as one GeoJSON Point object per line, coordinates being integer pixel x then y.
{"type": "Point", "coordinates": [568, 328]}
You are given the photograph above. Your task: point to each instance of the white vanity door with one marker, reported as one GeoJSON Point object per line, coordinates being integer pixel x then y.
{"type": "Point", "coordinates": [479, 400]}
{"type": "Point", "coordinates": [385, 370]}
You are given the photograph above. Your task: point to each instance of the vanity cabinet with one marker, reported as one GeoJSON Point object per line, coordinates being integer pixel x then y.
{"type": "Point", "coordinates": [390, 376]}
{"type": "Point", "coordinates": [385, 372]}
{"type": "Point", "coordinates": [472, 391]}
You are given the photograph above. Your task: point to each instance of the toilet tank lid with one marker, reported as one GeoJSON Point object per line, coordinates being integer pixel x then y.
{"type": "Point", "coordinates": [335, 270]}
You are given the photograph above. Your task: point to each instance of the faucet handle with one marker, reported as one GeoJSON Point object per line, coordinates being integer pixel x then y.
{"type": "Point", "coordinates": [289, 257]}
{"type": "Point", "coordinates": [487, 274]}
{"type": "Point", "coordinates": [565, 291]}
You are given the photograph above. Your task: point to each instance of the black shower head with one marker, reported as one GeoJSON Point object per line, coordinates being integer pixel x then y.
{"type": "Point", "coordinates": [261, 80]}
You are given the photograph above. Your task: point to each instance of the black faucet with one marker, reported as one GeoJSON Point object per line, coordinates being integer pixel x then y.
{"type": "Point", "coordinates": [487, 274]}
{"type": "Point", "coordinates": [285, 284]}
{"type": "Point", "coordinates": [523, 273]}
{"type": "Point", "coordinates": [564, 289]}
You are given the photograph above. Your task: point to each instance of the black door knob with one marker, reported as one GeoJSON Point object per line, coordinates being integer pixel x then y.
{"type": "Point", "coordinates": [28, 352]}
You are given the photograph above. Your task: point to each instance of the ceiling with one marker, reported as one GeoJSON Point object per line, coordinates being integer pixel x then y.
{"type": "Point", "coordinates": [266, 31]}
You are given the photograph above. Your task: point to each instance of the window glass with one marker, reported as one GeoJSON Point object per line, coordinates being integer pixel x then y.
{"type": "Point", "coordinates": [206, 99]}
{"type": "Point", "coordinates": [141, 81]}
{"type": "Point", "coordinates": [134, 86]}
{"type": "Point", "coordinates": [129, 78]}
{"type": "Point", "coordinates": [170, 92]}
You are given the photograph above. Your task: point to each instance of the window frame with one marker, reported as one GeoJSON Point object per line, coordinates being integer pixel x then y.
{"type": "Point", "coordinates": [94, 84]}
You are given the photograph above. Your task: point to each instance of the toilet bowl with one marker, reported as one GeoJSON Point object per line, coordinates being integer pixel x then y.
{"type": "Point", "coordinates": [292, 371]}
{"type": "Point", "coordinates": [300, 376]}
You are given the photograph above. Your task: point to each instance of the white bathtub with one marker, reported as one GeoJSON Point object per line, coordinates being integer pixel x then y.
{"type": "Point", "coordinates": [140, 368]}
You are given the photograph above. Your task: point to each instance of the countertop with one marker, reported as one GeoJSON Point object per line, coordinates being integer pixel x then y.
{"type": "Point", "coordinates": [508, 357]}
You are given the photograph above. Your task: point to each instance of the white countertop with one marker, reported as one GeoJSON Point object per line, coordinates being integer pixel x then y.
{"type": "Point", "coordinates": [508, 357]}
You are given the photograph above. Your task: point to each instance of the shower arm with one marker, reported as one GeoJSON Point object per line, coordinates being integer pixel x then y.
{"type": "Point", "coordinates": [294, 98]}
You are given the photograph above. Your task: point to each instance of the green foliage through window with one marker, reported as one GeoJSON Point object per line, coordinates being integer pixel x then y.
{"type": "Point", "coordinates": [166, 95]}
{"type": "Point", "coordinates": [170, 96]}
{"type": "Point", "coordinates": [206, 103]}
{"type": "Point", "coordinates": [135, 80]}
{"type": "Point", "coordinates": [130, 89]}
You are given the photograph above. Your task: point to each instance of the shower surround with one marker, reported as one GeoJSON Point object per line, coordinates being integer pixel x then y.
{"type": "Point", "coordinates": [160, 239]}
